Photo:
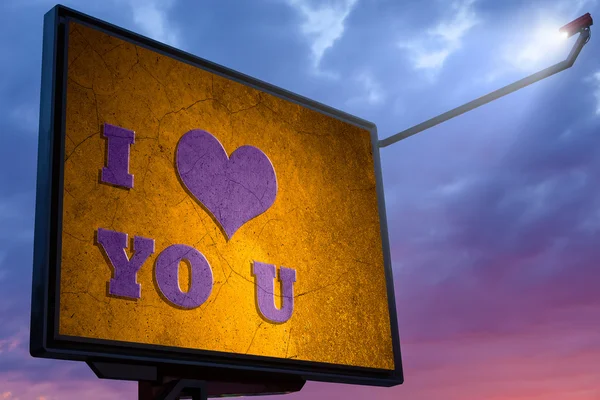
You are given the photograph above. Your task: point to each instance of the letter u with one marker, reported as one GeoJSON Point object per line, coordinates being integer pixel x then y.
{"type": "Point", "coordinates": [265, 291]}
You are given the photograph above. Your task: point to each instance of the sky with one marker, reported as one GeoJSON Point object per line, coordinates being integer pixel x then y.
{"type": "Point", "coordinates": [494, 217]}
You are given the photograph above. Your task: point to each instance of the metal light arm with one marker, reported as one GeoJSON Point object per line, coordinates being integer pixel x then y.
{"type": "Point", "coordinates": [583, 38]}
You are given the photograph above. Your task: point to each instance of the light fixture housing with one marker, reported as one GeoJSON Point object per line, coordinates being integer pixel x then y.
{"type": "Point", "coordinates": [578, 25]}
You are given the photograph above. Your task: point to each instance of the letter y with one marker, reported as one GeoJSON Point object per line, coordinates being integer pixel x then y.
{"type": "Point", "coordinates": [124, 280]}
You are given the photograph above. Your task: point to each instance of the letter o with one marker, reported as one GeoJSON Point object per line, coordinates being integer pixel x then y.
{"type": "Point", "coordinates": [166, 273]}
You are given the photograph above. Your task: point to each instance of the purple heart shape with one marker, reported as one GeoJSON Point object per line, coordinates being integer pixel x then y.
{"type": "Point", "coordinates": [233, 189]}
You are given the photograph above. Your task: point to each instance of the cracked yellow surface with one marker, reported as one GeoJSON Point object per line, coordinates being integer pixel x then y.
{"type": "Point", "coordinates": [324, 222]}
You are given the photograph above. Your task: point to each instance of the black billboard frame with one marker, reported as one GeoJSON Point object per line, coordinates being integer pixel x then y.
{"type": "Point", "coordinates": [162, 360]}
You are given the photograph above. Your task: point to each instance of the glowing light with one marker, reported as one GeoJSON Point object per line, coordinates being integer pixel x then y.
{"type": "Point", "coordinates": [544, 44]}
{"type": "Point", "coordinates": [564, 35]}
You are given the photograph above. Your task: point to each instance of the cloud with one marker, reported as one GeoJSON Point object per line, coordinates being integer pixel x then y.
{"type": "Point", "coordinates": [21, 388]}
{"type": "Point", "coordinates": [26, 116]}
{"type": "Point", "coordinates": [595, 80]}
{"type": "Point", "coordinates": [515, 241]}
{"type": "Point", "coordinates": [323, 23]}
{"type": "Point", "coordinates": [16, 222]}
{"type": "Point", "coordinates": [9, 344]}
{"type": "Point", "coordinates": [455, 187]}
{"type": "Point", "coordinates": [371, 91]}
{"type": "Point", "coordinates": [3, 272]}
{"type": "Point", "coordinates": [574, 7]}
{"type": "Point", "coordinates": [443, 39]}
{"type": "Point", "coordinates": [150, 17]}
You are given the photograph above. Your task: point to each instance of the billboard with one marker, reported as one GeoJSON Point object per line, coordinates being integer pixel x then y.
{"type": "Point", "coordinates": [189, 214]}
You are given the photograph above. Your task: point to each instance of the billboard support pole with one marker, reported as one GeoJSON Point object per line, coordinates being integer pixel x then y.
{"type": "Point", "coordinates": [583, 38]}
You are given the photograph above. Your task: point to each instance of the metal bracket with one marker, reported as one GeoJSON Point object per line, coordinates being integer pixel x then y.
{"type": "Point", "coordinates": [174, 390]}
{"type": "Point", "coordinates": [171, 382]}
{"type": "Point", "coordinates": [561, 66]}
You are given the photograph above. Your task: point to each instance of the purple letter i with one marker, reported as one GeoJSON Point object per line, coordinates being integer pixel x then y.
{"type": "Point", "coordinates": [116, 171]}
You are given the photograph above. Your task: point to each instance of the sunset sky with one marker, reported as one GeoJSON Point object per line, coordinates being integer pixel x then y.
{"type": "Point", "coordinates": [494, 216]}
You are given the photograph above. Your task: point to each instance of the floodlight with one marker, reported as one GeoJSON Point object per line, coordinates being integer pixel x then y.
{"type": "Point", "coordinates": [582, 23]}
